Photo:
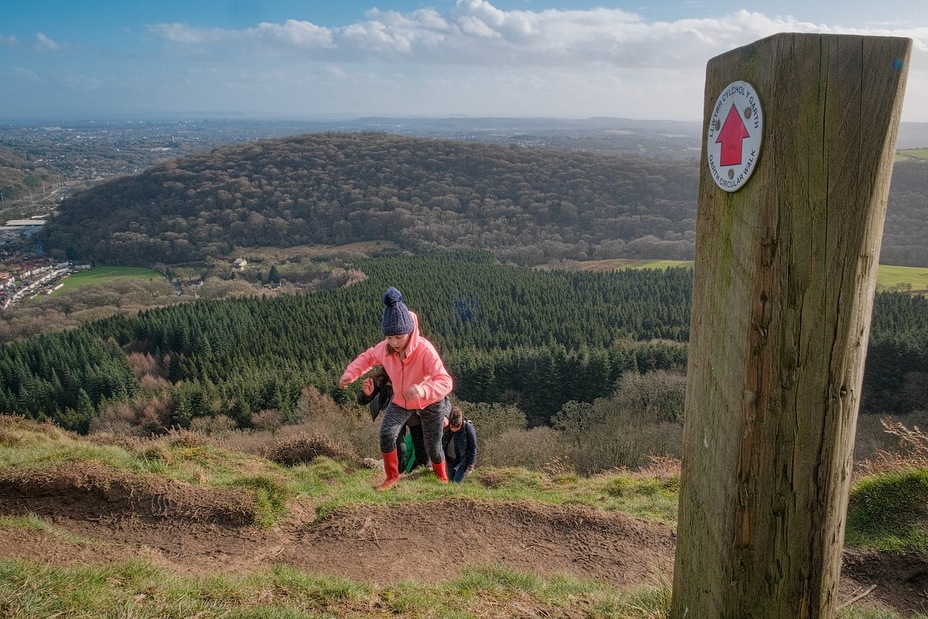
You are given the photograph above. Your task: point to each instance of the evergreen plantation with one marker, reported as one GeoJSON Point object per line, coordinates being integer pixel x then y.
{"type": "Point", "coordinates": [537, 339]}
{"type": "Point", "coordinates": [464, 214]}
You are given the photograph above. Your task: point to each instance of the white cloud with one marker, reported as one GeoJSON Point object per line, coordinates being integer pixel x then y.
{"type": "Point", "coordinates": [89, 83]}
{"type": "Point", "coordinates": [472, 59]}
{"type": "Point", "coordinates": [21, 73]}
{"type": "Point", "coordinates": [45, 44]}
{"type": "Point", "coordinates": [295, 33]}
{"type": "Point", "coordinates": [188, 35]}
{"type": "Point", "coordinates": [335, 72]}
{"type": "Point", "coordinates": [477, 33]}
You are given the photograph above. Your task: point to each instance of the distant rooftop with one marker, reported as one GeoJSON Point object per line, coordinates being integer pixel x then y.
{"type": "Point", "coordinates": [19, 223]}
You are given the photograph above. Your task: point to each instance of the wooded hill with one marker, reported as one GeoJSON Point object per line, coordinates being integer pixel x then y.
{"type": "Point", "coordinates": [527, 206]}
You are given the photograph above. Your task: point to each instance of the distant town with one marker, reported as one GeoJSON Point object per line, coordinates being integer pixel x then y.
{"type": "Point", "coordinates": [25, 273]}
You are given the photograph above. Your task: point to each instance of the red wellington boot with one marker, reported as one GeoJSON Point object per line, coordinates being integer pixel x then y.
{"type": "Point", "coordinates": [440, 471]}
{"type": "Point", "coordinates": [391, 466]}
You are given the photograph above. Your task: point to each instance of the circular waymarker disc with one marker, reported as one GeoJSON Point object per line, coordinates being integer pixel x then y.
{"type": "Point", "coordinates": [733, 138]}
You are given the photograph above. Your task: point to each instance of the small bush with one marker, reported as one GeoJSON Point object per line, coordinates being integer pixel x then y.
{"type": "Point", "coordinates": [319, 414]}
{"type": "Point", "coordinates": [189, 438]}
{"type": "Point", "coordinates": [147, 414]}
{"type": "Point", "coordinates": [156, 452]}
{"type": "Point", "coordinates": [533, 449]}
{"type": "Point", "coordinates": [626, 441]}
{"type": "Point", "coordinates": [270, 420]}
{"type": "Point", "coordinates": [304, 448]}
{"type": "Point", "coordinates": [656, 396]}
{"type": "Point", "coordinates": [492, 420]}
{"type": "Point", "coordinates": [220, 425]}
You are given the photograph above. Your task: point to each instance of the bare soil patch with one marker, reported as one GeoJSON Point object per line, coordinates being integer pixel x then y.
{"type": "Point", "coordinates": [97, 515]}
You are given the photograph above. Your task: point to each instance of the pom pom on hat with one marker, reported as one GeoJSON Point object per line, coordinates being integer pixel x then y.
{"type": "Point", "coordinates": [396, 318]}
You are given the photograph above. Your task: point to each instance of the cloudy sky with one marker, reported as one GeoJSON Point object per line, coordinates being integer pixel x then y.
{"type": "Point", "coordinates": [290, 59]}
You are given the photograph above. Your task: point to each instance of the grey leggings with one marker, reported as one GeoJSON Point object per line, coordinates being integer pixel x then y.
{"type": "Point", "coordinates": [432, 416]}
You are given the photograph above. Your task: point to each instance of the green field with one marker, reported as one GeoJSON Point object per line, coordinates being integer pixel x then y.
{"type": "Point", "coordinates": [912, 154]}
{"type": "Point", "coordinates": [660, 264]}
{"type": "Point", "coordinates": [914, 279]}
{"type": "Point", "coordinates": [99, 275]}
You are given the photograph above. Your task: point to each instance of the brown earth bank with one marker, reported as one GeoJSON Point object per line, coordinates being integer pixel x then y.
{"type": "Point", "coordinates": [110, 516]}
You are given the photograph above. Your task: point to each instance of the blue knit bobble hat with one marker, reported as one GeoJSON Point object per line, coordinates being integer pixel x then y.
{"type": "Point", "coordinates": [396, 317]}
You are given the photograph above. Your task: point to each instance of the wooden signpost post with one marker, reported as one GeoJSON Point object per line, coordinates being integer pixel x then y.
{"type": "Point", "coordinates": [800, 134]}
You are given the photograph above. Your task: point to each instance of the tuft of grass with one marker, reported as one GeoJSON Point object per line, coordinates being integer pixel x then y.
{"type": "Point", "coordinates": [624, 485]}
{"type": "Point", "coordinates": [303, 448]}
{"type": "Point", "coordinates": [138, 589]}
{"type": "Point", "coordinates": [911, 450]}
{"type": "Point", "coordinates": [889, 511]}
{"type": "Point", "coordinates": [517, 594]}
{"type": "Point", "coordinates": [271, 495]}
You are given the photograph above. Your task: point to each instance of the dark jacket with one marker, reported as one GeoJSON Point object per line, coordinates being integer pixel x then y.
{"type": "Point", "coordinates": [462, 452]}
{"type": "Point", "coordinates": [379, 397]}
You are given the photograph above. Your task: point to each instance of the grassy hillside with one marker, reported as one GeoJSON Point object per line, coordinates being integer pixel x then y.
{"type": "Point", "coordinates": [913, 279]}
{"type": "Point", "coordinates": [269, 499]}
{"type": "Point", "coordinates": [255, 524]}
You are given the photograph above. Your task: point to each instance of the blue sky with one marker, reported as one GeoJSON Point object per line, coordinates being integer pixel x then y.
{"type": "Point", "coordinates": [284, 59]}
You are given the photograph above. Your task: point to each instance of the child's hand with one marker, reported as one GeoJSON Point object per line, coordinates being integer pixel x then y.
{"type": "Point", "coordinates": [343, 382]}
{"type": "Point", "coordinates": [414, 392]}
{"type": "Point", "coordinates": [368, 386]}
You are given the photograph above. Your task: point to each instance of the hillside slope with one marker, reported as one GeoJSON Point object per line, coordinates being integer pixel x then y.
{"type": "Point", "coordinates": [89, 512]}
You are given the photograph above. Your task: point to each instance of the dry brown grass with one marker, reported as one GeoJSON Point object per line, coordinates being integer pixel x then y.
{"type": "Point", "coordinates": [662, 468]}
{"type": "Point", "coordinates": [534, 449]}
{"type": "Point", "coordinates": [911, 450]}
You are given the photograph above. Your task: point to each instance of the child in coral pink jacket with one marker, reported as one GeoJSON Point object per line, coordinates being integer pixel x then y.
{"type": "Point", "coordinates": [421, 384]}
